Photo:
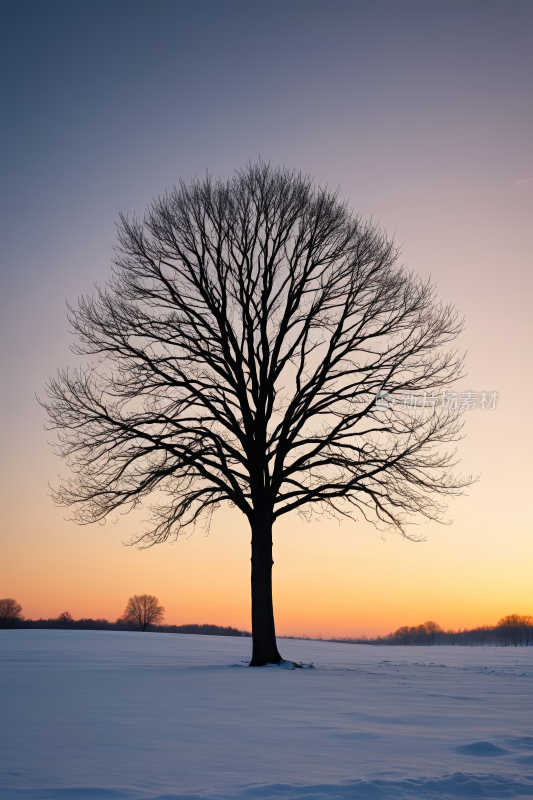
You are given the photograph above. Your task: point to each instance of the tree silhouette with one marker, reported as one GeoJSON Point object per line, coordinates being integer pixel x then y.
{"type": "Point", "coordinates": [239, 350]}
{"type": "Point", "coordinates": [515, 627]}
{"type": "Point", "coordinates": [10, 612]}
{"type": "Point", "coordinates": [143, 609]}
{"type": "Point", "coordinates": [432, 629]}
{"type": "Point", "coordinates": [482, 633]}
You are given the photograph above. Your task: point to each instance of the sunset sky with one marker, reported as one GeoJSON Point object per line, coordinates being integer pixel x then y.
{"type": "Point", "coordinates": [422, 114]}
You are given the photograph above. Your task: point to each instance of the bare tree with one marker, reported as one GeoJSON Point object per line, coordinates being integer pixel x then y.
{"type": "Point", "coordinates": [420, 636]}
{"type": "Point", "coordinates": [10, 612]}
{"type": "Point", "coordinates": [503, 631]}
{"type": "Point", "coordinates": [515, 627]}
{"type": "Point", "coordinates": [239, 349]}
{"type": "Point", "coordinates": [527, 621]}
{"type": "Point", "coordinates": [402, 635]}
{"type": "Point", "coordinates": [143, 609]}
{"type": "Point", "coordinates": [65, 618]}
{"type": "Point", "coordinates": [482, 633]}
{"type": "Point", "coordinates": [432, 629]}
{"type": "Point", "coordinates": [453, 635]}
{"type": "Point", "coordinates": [463, 635]}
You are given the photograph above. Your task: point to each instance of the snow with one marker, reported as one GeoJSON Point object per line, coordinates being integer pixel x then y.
{"type": "Point", "coordinates": [104, 715]}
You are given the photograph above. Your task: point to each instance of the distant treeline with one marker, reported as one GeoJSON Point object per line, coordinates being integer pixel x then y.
{"type": "Point", "coordinates": [515, 629]}
{"type": "Point", "coordinates": [104, 625]}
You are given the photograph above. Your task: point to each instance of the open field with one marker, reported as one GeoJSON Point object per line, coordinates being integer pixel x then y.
{"type": "Point", "coordinates": [127, 716]}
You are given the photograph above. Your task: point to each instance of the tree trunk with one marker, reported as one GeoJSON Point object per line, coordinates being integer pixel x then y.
{"type": "Point", "coordinates": [265, 649]}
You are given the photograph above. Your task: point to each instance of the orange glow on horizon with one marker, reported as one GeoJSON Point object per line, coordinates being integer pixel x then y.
{"type": "Point", "coordinates": [329, 579]}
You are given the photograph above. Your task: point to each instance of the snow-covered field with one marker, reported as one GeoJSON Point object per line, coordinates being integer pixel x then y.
{"type": "Point", "coordinates": [125, 716]}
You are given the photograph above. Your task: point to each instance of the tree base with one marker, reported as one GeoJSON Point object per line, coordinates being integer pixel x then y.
{"type": "Point", "coordinates": [259, 663]}
{"type": "Point", "coordinates": [282, 664]}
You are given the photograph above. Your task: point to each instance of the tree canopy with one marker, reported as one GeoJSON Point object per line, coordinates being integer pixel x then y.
{"type": "Point", "coordinates": [239, 352]}
{"type": "Point", "coordinates": [10, 612]}
{"type": "Point", "coordinates": [144, 609]}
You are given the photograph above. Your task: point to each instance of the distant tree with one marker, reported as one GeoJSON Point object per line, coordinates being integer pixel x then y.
{"type": "Point", "coordinates": [402, 635]}
{"type": "Point", "coordinates": [432, 629]}
{"type": "Point", "coordinates": [482, 633]}
{"type": "Point", "coordinates": [528, 629]}
{"type": "Point", "coordinates": [143, 609]}
{"type": "Point", "coordinates": [65, 618]}
{"type": "Point", "coordinates": [10, 612]}
{"type": "Point", "coordinates": [503, 631]}
{"type": "Point", "coordinates": [243, 352]}
{"type": "Point", "coordinates": [514, 627]}
{"type": "Point", "coordinates": [463, 636]}
{"type": "Point", "coordinates": [419, 634]}
{"type": "Point", "coordinates": [452, 635]}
